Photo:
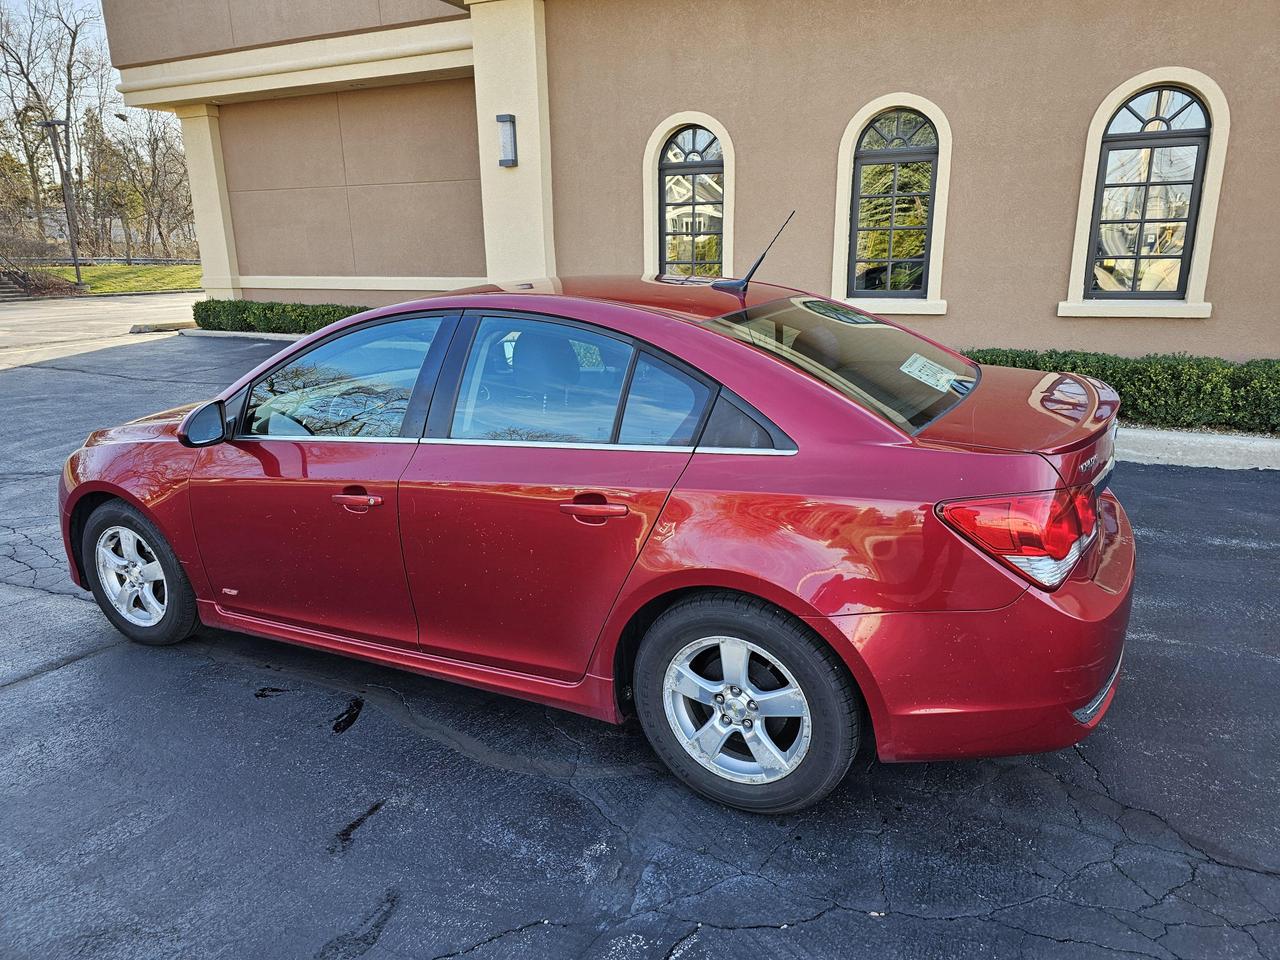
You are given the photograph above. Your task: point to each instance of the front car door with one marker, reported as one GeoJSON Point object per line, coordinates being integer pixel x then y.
{"type": "Point", "coordinates": [551, 450]}
{"type": "Point", "coordinates": [296, 516]}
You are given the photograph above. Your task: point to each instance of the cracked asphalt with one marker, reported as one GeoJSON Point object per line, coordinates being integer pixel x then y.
{"type": "Point", "coordinates": [234, 797]}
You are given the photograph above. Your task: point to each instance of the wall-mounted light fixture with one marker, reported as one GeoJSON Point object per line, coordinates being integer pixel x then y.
{"type": "Point", "coordinates": [506, 139]}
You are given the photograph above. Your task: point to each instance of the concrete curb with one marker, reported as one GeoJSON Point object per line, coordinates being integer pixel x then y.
{"type": "Point", "coordinates": [132, 293]}
{"type": "Point", "coordinates": [163, 327]}
{"type": "Point", "coordinates": [1188, 448]}
{"type": "Point", "coordinates": [194, 331]}
{"type": "Point", "coordinates": [1134, 444]}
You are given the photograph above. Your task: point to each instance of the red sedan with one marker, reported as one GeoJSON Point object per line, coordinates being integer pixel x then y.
{"type": "Point", "coordinates": [779, 530]}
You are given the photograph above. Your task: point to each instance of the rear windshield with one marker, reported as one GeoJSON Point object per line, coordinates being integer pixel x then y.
{"type": "Point", "coordinates": [884, 368]}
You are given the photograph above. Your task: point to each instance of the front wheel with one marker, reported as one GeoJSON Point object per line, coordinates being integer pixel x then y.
{"type": "Point", "coordinates": [745, 704]}
{"type": "Point", "coordinates": [136, 577]}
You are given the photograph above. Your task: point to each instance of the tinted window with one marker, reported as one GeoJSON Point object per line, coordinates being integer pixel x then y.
{"type": "Point", "coordinates": [357, 385]}
{"type": "Point", "coordinates": [882, 367]}
{"type": "Point", "coordinates": [730, 427]}
{"type": "Point", "coordinates": [536, 380]}
{"type": "Point", "coordinates": [663, 405]}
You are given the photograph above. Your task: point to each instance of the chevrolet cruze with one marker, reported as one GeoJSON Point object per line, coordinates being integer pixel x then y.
{"type": "Point", "coordinates": [778, 530]}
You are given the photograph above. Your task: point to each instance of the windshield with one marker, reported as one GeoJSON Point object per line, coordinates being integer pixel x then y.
{"type": "Point", "coordinates": [882, 367]}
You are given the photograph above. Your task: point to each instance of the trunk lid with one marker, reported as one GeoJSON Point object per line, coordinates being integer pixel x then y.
{"type": "Point", "coordinates": [1067, 418]}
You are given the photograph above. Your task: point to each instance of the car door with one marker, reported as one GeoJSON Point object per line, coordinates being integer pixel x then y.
{"type": "Point", "coordinates": [551, 449]}
{"type": "Point", "coordinates": [296, 515]}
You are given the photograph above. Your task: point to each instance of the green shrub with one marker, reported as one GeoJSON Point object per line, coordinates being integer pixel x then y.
{"type": "Point", "coordinates": [254, 317]}
{"type": "Point", "coordinates": [1171, 389]}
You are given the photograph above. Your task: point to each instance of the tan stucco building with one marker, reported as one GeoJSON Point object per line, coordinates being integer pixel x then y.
{"type": "Point", "coordinates": [1085, 175]}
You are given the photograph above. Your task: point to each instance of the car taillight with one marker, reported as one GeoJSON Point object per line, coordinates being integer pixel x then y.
{"type": "Point", "coordinates": [1040, 535]}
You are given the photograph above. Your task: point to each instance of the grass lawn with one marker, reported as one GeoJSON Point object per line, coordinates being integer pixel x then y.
{"type": "Point", "coordinates": [122, 278]}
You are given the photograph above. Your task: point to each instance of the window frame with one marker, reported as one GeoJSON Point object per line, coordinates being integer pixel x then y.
{"type": "Point", "coordinates": [861, 157]}
{"type": "Point", "coordinates": [1153, 140]}
{"type": "Point", "coordinates": [691, 170]}
{"type": "Point", "coordinates": [444, 400]}
{"type": "Point", "coordinates": [1194, 306]}
{"type": "Point", "coordinates": [428, 379]}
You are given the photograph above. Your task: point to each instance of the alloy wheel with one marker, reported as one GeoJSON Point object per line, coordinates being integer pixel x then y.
{"type": "Point", "coordinates": [737, 710]}
{"type": "Point", "coordinates": [131, 576]}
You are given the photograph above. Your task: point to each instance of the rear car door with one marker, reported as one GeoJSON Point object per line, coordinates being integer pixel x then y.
{"type": "Point", "coordinates": [551, 449]}
{"type": "Point", "coordinates": [296, 516]}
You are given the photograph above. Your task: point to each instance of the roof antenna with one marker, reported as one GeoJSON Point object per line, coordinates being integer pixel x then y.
{"type": "Point", "coordinates": [739, 287]}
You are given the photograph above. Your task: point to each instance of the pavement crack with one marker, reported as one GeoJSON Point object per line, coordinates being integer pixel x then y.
{"type": "Point", "coordinates": [61, 662]}
{"type": "Point", "coordinates": [502, 934]}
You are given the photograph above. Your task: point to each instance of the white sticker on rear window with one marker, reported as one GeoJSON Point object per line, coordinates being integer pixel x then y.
{"type": "Point", "coordinates": [927, 372]}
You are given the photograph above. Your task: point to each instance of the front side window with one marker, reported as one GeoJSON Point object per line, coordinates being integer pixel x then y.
{"type": "Point", "coordinates": [885, 369]}
{"type": "Point", "coordinates": [355, 385]}
{"type": "Point", "coordinates": [691, 204]}
{"type": "Point", "coordinates": [894, 170]}
{"type": "Point", "coordinates": [534, 380]}
{"type": "Point", "coordinates": [1150, 174]}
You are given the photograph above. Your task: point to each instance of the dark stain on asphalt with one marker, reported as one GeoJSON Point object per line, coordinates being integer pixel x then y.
{"type": "Point", "coordinates": [343, 721]}
{"type": "Point", "coordinates": [358, 942]}
{"type": "Point", "coordinates": [263, 692]}
{"type": "Point", "coordinates": [342, 839]}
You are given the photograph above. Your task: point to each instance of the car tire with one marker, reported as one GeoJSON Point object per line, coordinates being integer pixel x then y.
{"type": "Point", "coordinates": [807, 753]}
{"type": "Point", "coordinates": [153, 611]}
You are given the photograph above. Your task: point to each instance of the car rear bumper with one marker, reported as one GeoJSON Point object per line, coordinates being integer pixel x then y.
{"type": "Point", "coordinates": [1036, 675]}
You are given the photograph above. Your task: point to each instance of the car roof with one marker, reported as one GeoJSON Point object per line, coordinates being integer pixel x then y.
{"type": "Point", "coordinates": [684, 298]}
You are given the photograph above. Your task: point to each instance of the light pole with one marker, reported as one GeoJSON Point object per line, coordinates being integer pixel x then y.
{"type": "Point", "coordinates": [68, 198]}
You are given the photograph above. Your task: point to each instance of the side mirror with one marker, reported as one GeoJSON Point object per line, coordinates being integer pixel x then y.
{"type": "Point", "coordinates": [204, 426]}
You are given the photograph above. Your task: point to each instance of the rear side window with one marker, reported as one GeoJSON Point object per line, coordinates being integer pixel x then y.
{"type": "Point", "coordinates": [731, 427]}
{"type": "Point", "coordinates": [664, 405]}
{"type": "Point", "coordinates": [889, 371]}
{"type": "Point", "coordinates": [355, 385]}
{"type": "Point", "coordinates": [539, 381]}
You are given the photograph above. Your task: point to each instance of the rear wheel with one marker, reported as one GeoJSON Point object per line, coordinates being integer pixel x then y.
{"type": "Point", "coordinates": [136, 577]}
{"type": "Point", "coordinates": [745, 704]}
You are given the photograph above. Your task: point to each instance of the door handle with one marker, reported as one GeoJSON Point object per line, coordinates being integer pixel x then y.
{"type": "Point", "coordinates": [356, 502]}
{"type": "Point", "coordinates": [595, 511]}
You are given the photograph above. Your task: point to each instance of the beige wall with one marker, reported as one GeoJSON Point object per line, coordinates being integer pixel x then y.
{"type": "Point", "coordinates": [1019, 84]}
{"type": "Point", "coordinates": [378, 182]}
{"type": "Point", "coordinates": [148, 31]}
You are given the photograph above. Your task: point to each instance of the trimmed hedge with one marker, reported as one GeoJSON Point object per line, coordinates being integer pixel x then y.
{"type": "Point", "coordinates": [254, 317]}
{"type": "Point", "coordinates": [1171, 389]}
{"type": "Point", "coordinates": [1163, 390]}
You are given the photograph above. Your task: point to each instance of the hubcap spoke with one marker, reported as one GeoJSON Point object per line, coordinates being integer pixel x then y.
{"type": "Point", "coordinates": [129, 545]}
{"type": "Point", "coordinates": [786, 702]}
{"type": "Point", "coordinates": [153, 606]}
{"type": "Point", "coordinates": [689, 684]}
{"type": "Point", "coordinates": [734, 655]}
{"type": "Point", "coordinates": [112, 560]}
{"type": "Point", "coordinates": [151, 572]}
{"type": "Point", "coordinates": [765, 750]}
{"type": "Point", "coordinates": [710, 739]}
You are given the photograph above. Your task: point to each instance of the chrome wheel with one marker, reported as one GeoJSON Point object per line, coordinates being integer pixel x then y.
{"type": "Point", "coordinates": [737, 710]}
{"type": "Point", "coordinates": [131, 576]}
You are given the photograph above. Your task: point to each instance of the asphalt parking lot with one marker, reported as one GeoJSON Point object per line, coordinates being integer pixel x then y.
{"type": "Point", "coordinates": [234, 797]}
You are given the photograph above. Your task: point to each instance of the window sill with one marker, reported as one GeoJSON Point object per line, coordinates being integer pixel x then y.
{"type": "Point", "coordinates": [1160, 309]}
{"type": "Point", "coordinates": [898, 306]}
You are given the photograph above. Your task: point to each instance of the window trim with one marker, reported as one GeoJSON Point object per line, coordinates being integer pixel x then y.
{"type": "Point", "coordinates": [652, 199]}
{"type": "Point", "coordinates": [932, 303]}
{"type": "Point", "coordinates": [1192, 305]}
{"type": "Point", "coordinates": [429, 375]}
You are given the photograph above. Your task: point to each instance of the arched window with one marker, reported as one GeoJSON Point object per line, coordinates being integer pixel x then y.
{"type": "Point", "coordinates": [1150, 177]}
{"type": "Point", "coordinates": [691, 204]}
{"type": "Point", "coordinates": [894, 172]}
